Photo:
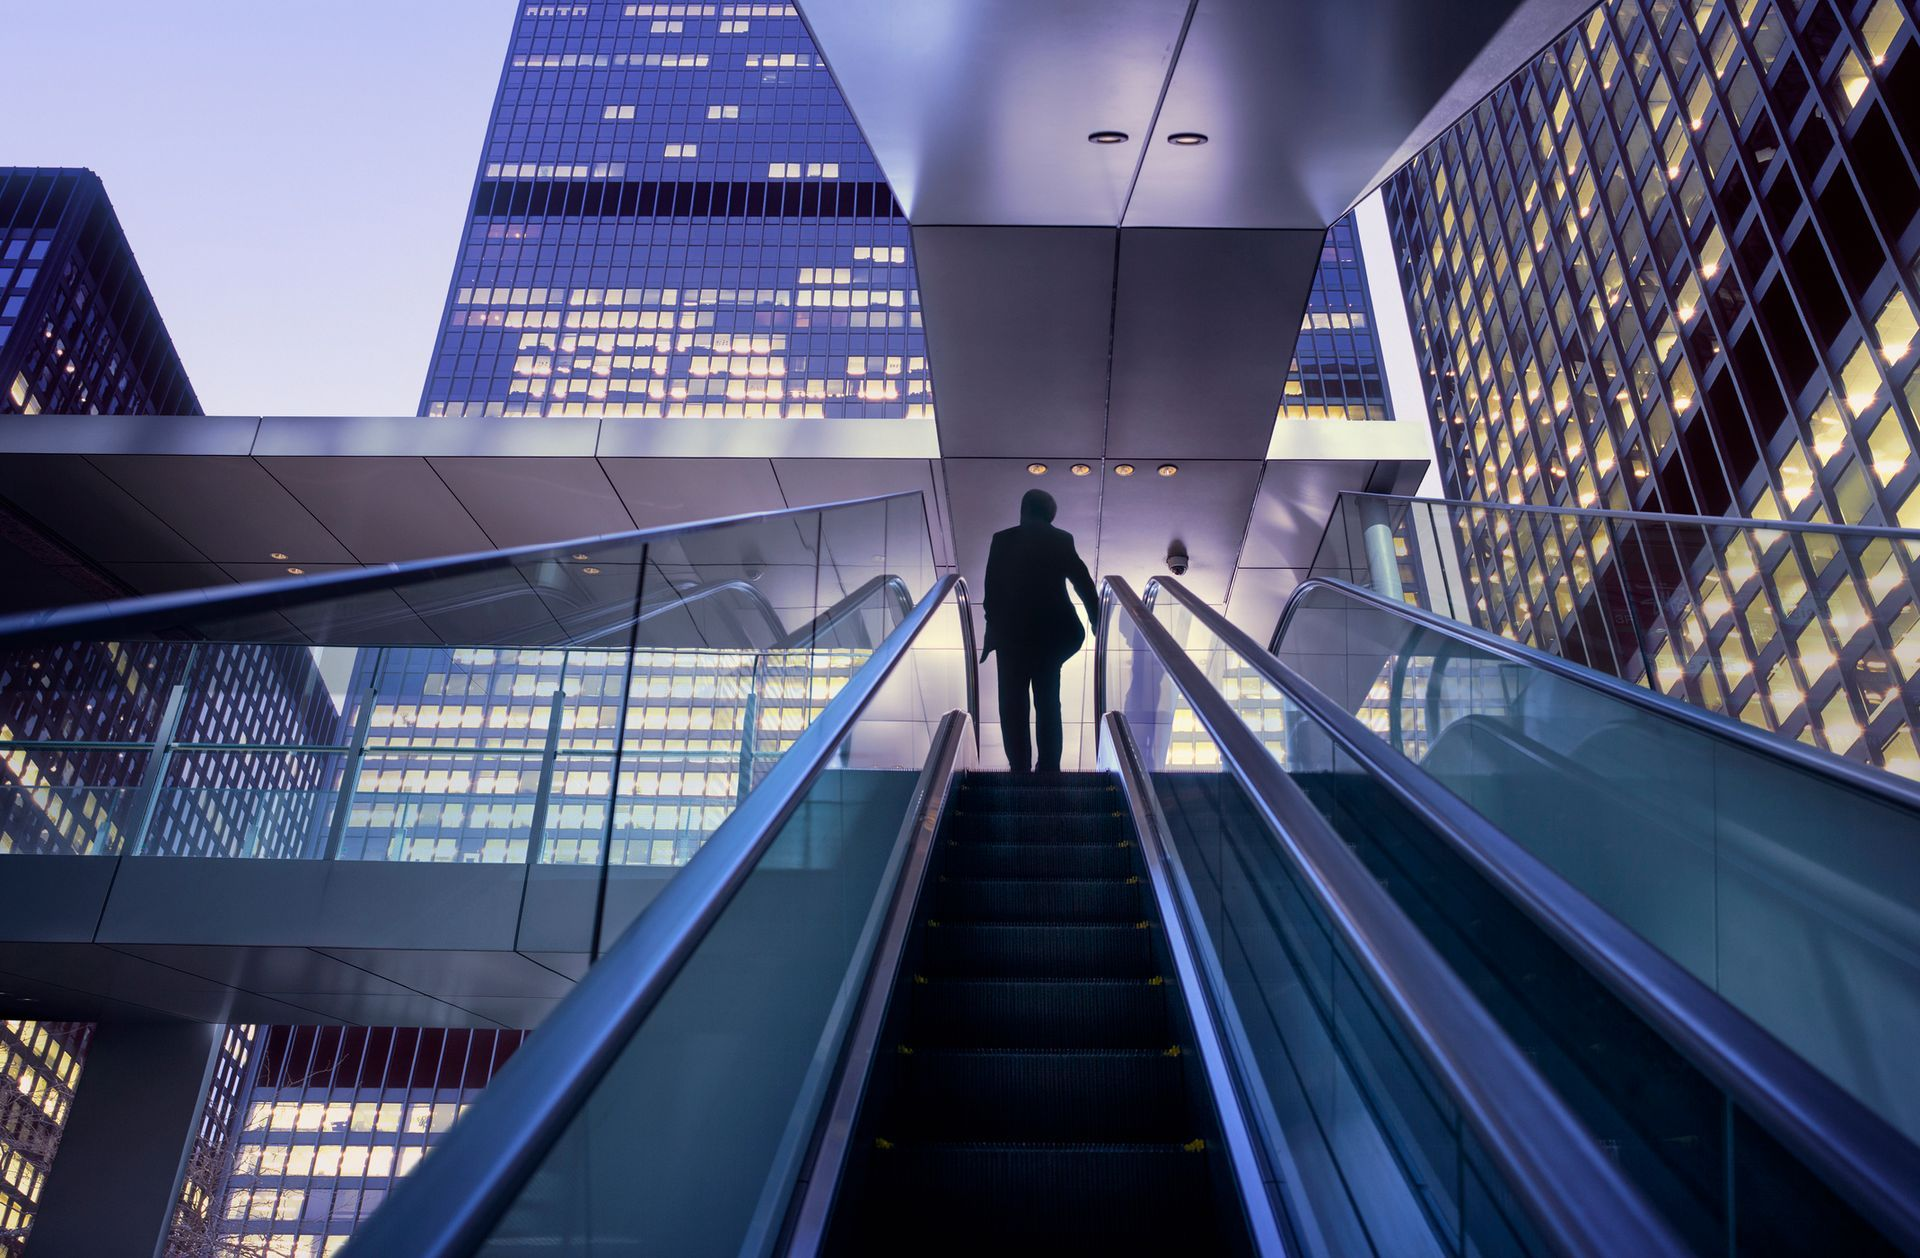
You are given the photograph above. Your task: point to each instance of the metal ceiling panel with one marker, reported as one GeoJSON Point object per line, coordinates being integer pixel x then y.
{"type": "Point", "coordinates": [387, 509]}
{"type": "Point", "coordinates": [228, 507]}
{"type": "Point", "coordinates": [1205, 507]}
{"type": "Point", "coordinates": [809, 481]}
{"type": "Point", "coordinates": [660, 491]}
{"type": "Point", "coordinates": [1307, 103]}
{"type": "Point", "coordinates": [1019, 333]}
{"type": "Point", "coordinates": [979, 110]}
{"type": "Point", "coordinates": [1204, 326]}
{"type": "Point", "coordinates": [524, 501]}
{"type": "Point", "coordinates": [98, 518]}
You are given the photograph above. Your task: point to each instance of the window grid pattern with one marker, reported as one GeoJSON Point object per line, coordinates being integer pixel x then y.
{"type": "Point", "coordinates": [1335, 372]}
{"type": "Point", "coordinates": [1670, 266]}
{"type": "Point", "coordinates": [676, 217]}
{"type": "Point", "coordinates": [79, 331]}
{"type": "Point", "coordinates": [39, 1069]}
{"type": "Point", "coordinates": [331, 1119]}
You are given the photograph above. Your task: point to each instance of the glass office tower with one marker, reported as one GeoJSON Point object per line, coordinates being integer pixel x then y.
{"type": "Point", "coordinates": [1669, 267]}
{"type": "Point", "coordinates": [1335, 372]}
{"type": "Point", "coordinates": [79, 331]}
{"type": "Point", "coordinates": [675, 216]}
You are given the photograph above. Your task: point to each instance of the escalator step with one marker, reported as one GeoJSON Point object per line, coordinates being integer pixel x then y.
{"type": "Point", "coordinates": [1041, 1013]}
{"type": "Point", "coordinates": [1034, 950]}
{"type": "Point", "coordinates": [1038, 899]}
{"type": "Point", "coordinates": [1038, 860]}
{"type": "Point", "coordinates": [1095, 796]}
{"type": "Point", "coordinates": [1035, 827]}
{"type": "Point", "coordinates": [1149, 1199]}
{"type": "Point", "coordinates": [1041, 1095]}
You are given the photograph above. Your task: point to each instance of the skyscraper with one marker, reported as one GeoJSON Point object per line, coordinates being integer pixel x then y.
{"type": "Point", "coordinates": [79, 334]}
{"type": "Point", "coordinates": [1668, 267]}
{"type": "Point", "coordinates": [79, 331]}
{"type": "Point", "coordinates": [675, 216]}
{"type": "Point", "coordinates": [1335, 373]}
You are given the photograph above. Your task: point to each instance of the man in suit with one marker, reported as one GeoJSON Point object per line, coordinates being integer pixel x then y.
{"type": "Point", "coordinates": [1030, 622]}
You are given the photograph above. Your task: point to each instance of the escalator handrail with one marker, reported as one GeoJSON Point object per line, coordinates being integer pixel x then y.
{"type": "Point", "coordinates": [829, 620]}
{"type": "Point", "coordinates": [448, 1205]}
{"type": "Point", "coordinates": [1877, 531]}
{"type": "Point", "coordinates": [1864, 1157]}
{"type": "Point", "coordinates": [903, 599]}
{"type": "Point", "coordinates": [1886, 787]}
{"type": "Point", "coordinates": [1552, 1164]}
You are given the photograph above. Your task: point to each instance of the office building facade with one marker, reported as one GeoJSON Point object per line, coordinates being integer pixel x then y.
{"type": "Point", "coordinates": [1336, 372]}
{"type": "Point", "coordinates": [79, 331]}
{"type": "Point", "coordinates": [1668, 267]}
{"type": "Point", "coordinates": [675, 216]}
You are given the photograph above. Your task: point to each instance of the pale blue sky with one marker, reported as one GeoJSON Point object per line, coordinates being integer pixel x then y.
{"type": "Point", "coordinates": [292, 174]}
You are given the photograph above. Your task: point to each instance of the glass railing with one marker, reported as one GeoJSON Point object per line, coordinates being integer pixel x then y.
{"type": "Point", "coordinates": [1810, 631]}
{"type": "Point", "coordinates": [1783, 878]}
{"type": "Point", "coordinates": [1740, 1143]}
{"type": "Point", "coordinates": [667, 1106]}
{"type": "Point", "coordinates": [609, 700]}
{"type": "Point", "coordinates": [1400, 1115]}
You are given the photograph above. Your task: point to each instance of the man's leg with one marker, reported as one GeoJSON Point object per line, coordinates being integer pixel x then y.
{"type": "Point", "coordinates": [1046, 716]}
{"type": "Point", "coordinates": [1014, 734]}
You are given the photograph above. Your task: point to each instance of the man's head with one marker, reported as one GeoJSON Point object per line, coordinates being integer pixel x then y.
{"type": "Point", "coordinates": [1037, 507]}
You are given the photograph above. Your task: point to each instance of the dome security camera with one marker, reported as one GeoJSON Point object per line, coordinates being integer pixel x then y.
{"type": "Point", "coordinates": [1177, 559]}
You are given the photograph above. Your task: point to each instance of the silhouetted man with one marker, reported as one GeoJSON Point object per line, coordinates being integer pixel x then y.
{"type": "Point", "coordinates": [1031, 623]}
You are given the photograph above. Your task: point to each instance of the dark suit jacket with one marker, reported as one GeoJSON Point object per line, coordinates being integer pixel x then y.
{"type": "Point", "coordinates": [1028, 569]}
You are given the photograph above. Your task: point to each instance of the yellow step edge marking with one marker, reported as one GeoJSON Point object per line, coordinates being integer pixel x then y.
{"type": "Point", "coordinates": [881, 1142]}
{"type": "Point", "coordinates": [1191, 1146]}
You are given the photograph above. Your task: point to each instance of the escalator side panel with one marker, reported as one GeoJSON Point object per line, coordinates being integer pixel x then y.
{"type": "Point", "coordinates": [1706, 1166]}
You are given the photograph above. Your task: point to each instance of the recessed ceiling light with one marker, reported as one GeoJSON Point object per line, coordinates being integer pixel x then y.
{"type": "Point", "coordinates": [1107, 137]}
{"type": "Point", "coordinates": [298, 572]}
{"type": "Point", "coordinates": [1038, 469]}
{"type": "Point", "coordinates": [1123, 469]}
{"type": "Point", "coordinates": [1187, 139]}
{"type": "Point", "coordinates": [278, 554]}
{"type": "Point", "coordinates": [1081, 469]}
{"type": "Point", "coordinates": [592, 572]}
{"type": "Point", "coordinates": [582, 555]}
{"type": "Point", "coordinates": [1169, 469]}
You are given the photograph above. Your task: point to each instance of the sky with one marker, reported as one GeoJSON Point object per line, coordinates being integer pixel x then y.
{"type": "Point", "coordinates": [292, 174]}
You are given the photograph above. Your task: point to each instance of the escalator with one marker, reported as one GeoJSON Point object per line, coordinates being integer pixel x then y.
{"type": "Point", "coordinates": [1041, 1089]}
{"type": "Point", "coordinates": [1261, 985]}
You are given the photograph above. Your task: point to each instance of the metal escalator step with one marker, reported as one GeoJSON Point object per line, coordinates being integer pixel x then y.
{"type": "Point", "coordinates": [1016, 1198]}
{"type": "Point", "coordinates": [1006, 826]}
{"type": "Point", "coordinates": [1040, 1013]}
{"type": "Point", "coordinates": [1037, 950]}
{"type": "Point", "coordinates": [1038, 899]}
{"type": "Point", "coordinates": [1093, 796]}
{"type": "Point", "coordinates": [1038, 860]}
{"type": "Point", "coordinates": [1041, 1095]}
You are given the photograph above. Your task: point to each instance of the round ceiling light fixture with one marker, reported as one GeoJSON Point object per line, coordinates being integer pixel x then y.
{"type": "Point", "coordinates": [592, 572]}
{"type": "Point", "coordinates": [1038, 469]}
{"type": "Point", "coordinates": [1168, 469]}
{"type": "Point", "coordinates": [277, 554]}
{"type": "Point", "coordinates": [1081, 469]}
{"type": "Point", "coordinates": [1106, 137]}
{"type": "Point", "coordinates": [1187, 139]}
{"type": "Point", "coordinates": [1123, 469]}
{"type": "Point", "coordinates": [298, 572]}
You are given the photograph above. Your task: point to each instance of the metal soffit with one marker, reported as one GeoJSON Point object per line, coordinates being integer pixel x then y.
{"type": "Point", "coordinates": [1139, 299]}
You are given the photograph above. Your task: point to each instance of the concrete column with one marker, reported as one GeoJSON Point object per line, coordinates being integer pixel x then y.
{"type": "Point", "coordinates": [1383, 565]}
{"type": "Point", "coordinates": [118, 1172]}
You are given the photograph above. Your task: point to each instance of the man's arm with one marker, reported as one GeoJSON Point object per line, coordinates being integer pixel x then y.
{"type": "Point", "coordinates": [1082, 582]}
{"type": "Point", "coordinates": [993, 591]}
